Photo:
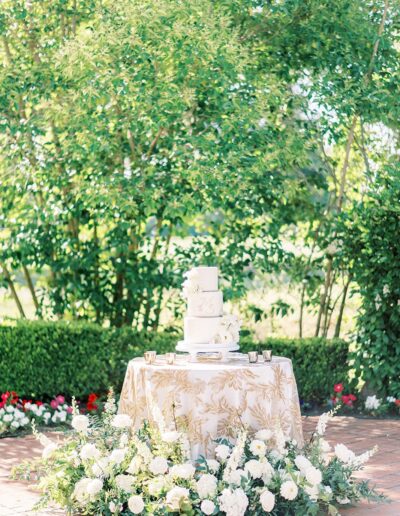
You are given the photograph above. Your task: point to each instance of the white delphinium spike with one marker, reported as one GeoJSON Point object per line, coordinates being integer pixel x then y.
{"type": "Point", "coordinates": [110, 406]}
{"type": "Point", "coordinates": [364, 457]}
{"type": "Point", "coordinates": [323, 421]}
{"type": "Point", "coordinates": [236, 455]}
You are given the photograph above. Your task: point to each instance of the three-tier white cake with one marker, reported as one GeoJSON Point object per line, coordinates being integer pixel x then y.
{"type": "Point", "coordinates": [206, 328]}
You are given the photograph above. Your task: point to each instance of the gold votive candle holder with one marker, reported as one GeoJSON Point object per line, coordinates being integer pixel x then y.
{"type": "Point", "coordinates": [267, 355]}
{"type": "Point", "coordinates": [253, 357]}
{"type": "Point", "coordinates": [170, 358]}
{"type": "Point", "coordinates": [150, 357]}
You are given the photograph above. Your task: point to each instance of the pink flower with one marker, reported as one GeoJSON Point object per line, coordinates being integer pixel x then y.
{"type": "Point", "coordinates": [60, 399]}
{"type": "Point", "coordinates": [69, 410]}
{"type": "Point", "coordinates": [54, 404]}
{"type": "Point", "coordinates": [338, 387]}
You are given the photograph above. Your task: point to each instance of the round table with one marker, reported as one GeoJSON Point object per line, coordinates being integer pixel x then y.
{"type": "Point", "coordinates": [214, 399]}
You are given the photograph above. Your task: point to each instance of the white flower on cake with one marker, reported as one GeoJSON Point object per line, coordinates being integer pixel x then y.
{"type": "Point", "coordinates": [191, 284]}
{"type": "Point", "coordinates": [228, 331]}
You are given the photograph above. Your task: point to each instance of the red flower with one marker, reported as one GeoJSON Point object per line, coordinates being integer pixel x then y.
{"type": "Point", "coordinates": [346, 399]}
{"type": "Point", "coordinates": [92, 397]}
{"type": "Point", "coordinates": [5, 396]}
{"type": "Point", "coordinates": [2, 404]}
{"type": "Point", "coordinates": [38, 403]}
{"type": "Point", "coordinates": [352, 397]}
{"type": "Point", "coordinates": [338, 387]}
{"type": "Point", "coordinates": [397, 402]}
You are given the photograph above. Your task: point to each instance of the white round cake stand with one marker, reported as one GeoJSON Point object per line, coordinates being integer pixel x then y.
{"type": "Point", "coordinates": [193, 349]}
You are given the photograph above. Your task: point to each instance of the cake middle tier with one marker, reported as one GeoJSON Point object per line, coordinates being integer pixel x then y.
{"type": "Point", "coordinates": [205, 304]}
{"type": "Point", "coordinates": [200, 330]}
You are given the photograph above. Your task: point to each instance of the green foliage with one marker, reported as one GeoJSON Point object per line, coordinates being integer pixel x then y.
{"type": "Point", "coordinates": [48, 358]}
{"type": "Point", "coordinates": [371, 243]}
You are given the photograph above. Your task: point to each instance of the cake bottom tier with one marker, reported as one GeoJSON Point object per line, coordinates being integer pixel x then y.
{"type": "Point", "coordinates": [200, 330]}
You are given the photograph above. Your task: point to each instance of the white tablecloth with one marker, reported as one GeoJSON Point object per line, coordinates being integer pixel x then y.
{"type": "Point", "coordinates": [213, 400]}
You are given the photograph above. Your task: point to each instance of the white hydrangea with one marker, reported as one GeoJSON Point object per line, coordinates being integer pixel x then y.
{"type": "Point", "coordinates": [206, 485]}
{"type": "Point", "coordinates": [267, 500]}
{"type": "Point", "coordinates": [235, 477]}
{"type": "Point", "coordinates": [136, 504]}
{"type": "Point", "coordinates": [289, 490]}
{"type": "Point", "coordinates": [258, 448]}
{"type": "Point", "coordinates": [80, 489]}
{"type": "Point", "coordinates": [184, 471]}
{"type": "Point", "coordinates": [80, 422]}
{"type": "Point", "coordinates": [89, 451]}
{"type": "Point", "coordinates": [176, 496]}
{"type": "Point", "coordinates": [94, 487]}
{"type": "Point", "coordinates": [372, 403]}
{"type": "Point", "coordinates": [343, 453]}
{"type": "Point", "coordinates": [118, 455]}
{"type": "Point", "coordinates": [222, 452]}
{"type": "Point", "coordinates": [233, 502]}
{"type": "Point", "coordinates": [125, 482]}
{"type": "Point", "coordinates": [207, 507]}
{"type": "Point", "coordinates": [213, 465]}
{"type": "Point", "coordinates": [158, 466]}
{"type": "Point", "coordinates": [121, 421]}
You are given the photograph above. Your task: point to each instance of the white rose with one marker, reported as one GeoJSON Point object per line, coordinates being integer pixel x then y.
{"type": "Point", "coordinates": [302, 463]}
{"type": "Point", "coordinates": [264, 435]}
{"type": "Point", "coordinates": [7, 418]}
{"type": "Point", "coordinates": [89, 451]}
{"type": "Point", "coordinates": [15, 424]}
{"type": "Point", "coordinates": [289, 490]}
{"type": "Point", "coordinates": [206, 485]}
{"type": "Point", "coordinates": [158, 466]}
{"type": "Point", "coordinates": [48, 450]}
{"type": "Point", "coordinates": [176, 496]}
{"type": "Point", "coordinates": [258, 448]}
{"type": "Point", "coordinates": [125, 482]}
{"type": "Point", "coordinates": [117, 455]}
{"type": "Point", "coordinates": [207, 507]}
{"type": "Point", "coordinates": [343, 453]}
{"type": "Point", "coordinates": [94, 487]}
{"type": "Point", "coordinates": [235, 476]}
{"type": "Point", "coordinates": [313, 475]}
{"type": "Point", "coordinates": [267, 500]}
{"type": "Point", "coordinates": [222, 451]}
{"type": "Point", "coordinates": [80, 423]}
{"type": "Point", "coordinates": [170, 437]}
{"type": "Point", "coordinates": [80, 489]}
{"type": "Point", "coordinates": [184, 471]}
{"type": "Point", "coordinates": [255, 468]}
{"type": "Point", "coordinates": [136, 504]}
{"type": "Point", "coordinates": [121, 421]}
{"type": "Point", "coordinates": [18, 414]}
{"type": "Point", "coordinates": [24, 421]}
{"type": "Point", "coordinates": [10, 409]}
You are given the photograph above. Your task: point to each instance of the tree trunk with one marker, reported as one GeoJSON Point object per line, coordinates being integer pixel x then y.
{"type": "Point", "coordinates": [31, 288]}
{"type": "Point", "coordinates": [13, 290]}
{"type": "Point", "coordinates": [341, 309]}
{"type": "Point", "coordinates": [324, 295]}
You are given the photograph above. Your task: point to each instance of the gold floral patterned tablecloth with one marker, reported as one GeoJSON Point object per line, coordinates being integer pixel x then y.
{"type": "Point", "coordinates": [211, 400]}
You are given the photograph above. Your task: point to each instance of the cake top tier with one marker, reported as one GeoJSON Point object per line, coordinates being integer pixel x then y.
{"type": "Point", "coordinates": [200, 279]}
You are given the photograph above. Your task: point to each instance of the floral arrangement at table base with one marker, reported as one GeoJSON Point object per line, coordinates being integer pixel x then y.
{"type": "Point", "coordinates": [104, 468]}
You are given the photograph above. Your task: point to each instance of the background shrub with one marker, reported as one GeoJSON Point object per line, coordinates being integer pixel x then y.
{"type": "Point", "coordinates": [41, 359]}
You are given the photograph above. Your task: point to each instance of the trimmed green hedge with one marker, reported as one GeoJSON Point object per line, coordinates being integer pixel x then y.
{"type": "Point", "coordinates": [41, 359]}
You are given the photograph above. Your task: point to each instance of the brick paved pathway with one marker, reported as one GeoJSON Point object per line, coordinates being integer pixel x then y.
{"type": "Point", "coordinates": [17, 498]}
